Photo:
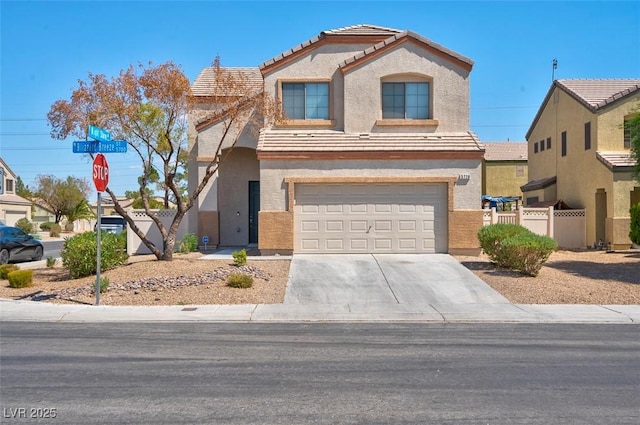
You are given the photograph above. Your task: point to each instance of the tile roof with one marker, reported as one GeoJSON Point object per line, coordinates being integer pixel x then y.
{"type": "Point", "coordinates": [593, 94]}
{"type": "Point", "coordinates": [538, 184]}
{"type": "Point", "coordinates": [614, 160]}
{"type": "Point", "coordinates": [505, 151]}
{"type": "Point", "coordinates": [8, 198]}
{"type": "Point", "coordinates": [598, 93]}
{"type": "Point", "coordinates": [337, 141]}
{"type": "Point", "coordinates": [354, 30]}
{"type": "Point", "coordinates": [401, 37]}
{"type": "Point", "coordinates": [204, 83]}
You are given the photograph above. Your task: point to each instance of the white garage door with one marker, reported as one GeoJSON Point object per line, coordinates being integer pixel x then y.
{"type": "Point", "coordinates": [361, 218]}
{"type": "Point", "coordinates": [12, 217]}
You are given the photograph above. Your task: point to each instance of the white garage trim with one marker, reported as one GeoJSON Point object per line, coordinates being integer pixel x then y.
{"type": "Point", "coordinates": [12, 217]}
{"type": "Point", "coordinates": [362, 218]}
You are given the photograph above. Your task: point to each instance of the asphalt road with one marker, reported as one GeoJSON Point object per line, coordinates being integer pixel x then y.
{"type": "Point", "coordinates": [52, 248]}
{"type": "Point", "coordinates": [320, 373]}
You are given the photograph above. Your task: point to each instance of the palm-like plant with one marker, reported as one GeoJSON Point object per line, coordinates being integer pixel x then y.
{"type": "Point", "coordinates": [81, 211]}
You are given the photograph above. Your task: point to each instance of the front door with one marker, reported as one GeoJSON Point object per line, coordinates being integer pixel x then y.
{"type": "Point", "coordinates": [254, 207]}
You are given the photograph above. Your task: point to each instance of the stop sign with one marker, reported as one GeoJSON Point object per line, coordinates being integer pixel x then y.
{"type": "Point", "coordinates": [100, 172]}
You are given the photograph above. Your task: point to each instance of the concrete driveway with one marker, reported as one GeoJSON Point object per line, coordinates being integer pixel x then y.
{"type": "Point", "coordinates": [357, 279]}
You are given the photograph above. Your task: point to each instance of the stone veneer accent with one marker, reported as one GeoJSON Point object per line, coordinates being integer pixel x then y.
{"type": "Point", "coordinates": [463, 230]}
{"type": "Point", "coordinates": [208, 224]}
{"type": "Point", "coordinates": [275, 232]}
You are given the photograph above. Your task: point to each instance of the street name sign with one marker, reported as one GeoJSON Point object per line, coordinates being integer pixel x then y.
{"type": "Point", "coordinates": [100, 134]}
{"type": "Point", "coordinates": [92, 146]}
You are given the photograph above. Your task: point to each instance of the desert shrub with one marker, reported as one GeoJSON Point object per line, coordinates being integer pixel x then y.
{"type": "Point", "coordinates": [51, 262]}
{"type": "Point", "coordinates": [104, 284]}
{"type": "Point", "coordinates": [239, 257]}
{"type": "Point", "coordinates": [20, 278]}
{"type": "Point", "coordinates": [25, 225]}
{"type": "Point", "coordinates": [5, 269]}
{"type": "Point", "coordinates": [79, 253]}
{"type": "Point", "coordinates": [240, 280]}
{"type": "Point", "coordinates": [46, 226]}
{"type": "Point", "coordinates": [188, 243]}
{"type": "Point", "coordinates": [490, 236]}
{"type": "Point", "coordinates": [55, 230]}
{"type": "Point", "coordinates": [68, 227]}
{"type": "Point", "coordinates": [526, 252]}
{"type": "Point", "coordinates": [634, 225]}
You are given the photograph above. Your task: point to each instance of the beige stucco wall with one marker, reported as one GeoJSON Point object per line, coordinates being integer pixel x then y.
{"type": "Point", "coordinates": [580, 174]}
{"type": "Point", "coordinates": [273, 190]}
{"type": "Point", "coordinates": [363, 97]}
{"type": "Point", "coordinates": [236, 171]}
{"type": "Point", "coordinates": [500, 178]}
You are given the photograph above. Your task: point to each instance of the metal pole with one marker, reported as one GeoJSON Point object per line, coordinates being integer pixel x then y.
{"type": "Point", "coordinates": [99, 231]}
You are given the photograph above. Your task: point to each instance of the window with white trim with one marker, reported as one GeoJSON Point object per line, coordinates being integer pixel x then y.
{"type": "Point", "coordinates": [306, 101]}
{"type": "Point", "coordinates": [406, 101]}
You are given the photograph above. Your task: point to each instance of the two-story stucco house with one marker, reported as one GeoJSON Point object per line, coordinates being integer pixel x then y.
{"type": "Point", "coordinates": [374, 153]}
{"type": "Point", "coordinates": [12, 206]}
{"type": "Point", "coordinates": [504, 168]}
{"type": "Point", "coordinates": [579, 152]}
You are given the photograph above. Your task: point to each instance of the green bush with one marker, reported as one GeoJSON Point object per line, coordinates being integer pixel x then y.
{"type": "Point", "coordinates": [51, 262]}
{"type": "Point", "coordinates": [240, 280]}
{"type": "Point", "coordinates": [526, 252]}
{"type": "Point", "coordinates": [239, 257]}
{"type": "Point", "coordinates": [104, 284]}
{"type": "Point", "coordinates": [188, 243]}
{"type": "Point", "coordinates": [25, 225]}
{"type": "Point", "coordinates": [634, 232]}
{"type": "Point", "coordinates": [46, 226]}
{"type": "Point", "coordinates": [79, 253]}
{"type": "Point", "coordinates": [490, 236]}
{"type": "Point", "coordinates": [55, 230]}
{"type": "Point", "coordinates": [5, 269]}
{"type": "Point", "coordinates": [20, 278]}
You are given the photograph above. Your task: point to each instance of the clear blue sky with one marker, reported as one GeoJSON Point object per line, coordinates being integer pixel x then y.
{"type": "Point", "coordinates": [47, 46]}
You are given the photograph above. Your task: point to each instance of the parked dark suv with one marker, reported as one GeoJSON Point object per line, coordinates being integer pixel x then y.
{"type": "Point", "coordinates": [15, 245]}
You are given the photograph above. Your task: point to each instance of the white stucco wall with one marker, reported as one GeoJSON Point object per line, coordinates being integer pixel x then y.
{"type": "Point", "coordinates": [273, 190]}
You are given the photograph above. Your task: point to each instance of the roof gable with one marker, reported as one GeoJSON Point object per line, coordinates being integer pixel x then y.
{"type": "Point", "coordinates": [593, 94]}
{"type": "Point", "coordinates": [356, 34]}
{"type": "Point", "coordinates": [400, 38]}
{"type": "Point", "coordinates": [205, 83]}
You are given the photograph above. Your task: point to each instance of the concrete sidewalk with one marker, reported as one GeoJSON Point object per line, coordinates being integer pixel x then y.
{"type": "Point", "coordinates": [11, 310]}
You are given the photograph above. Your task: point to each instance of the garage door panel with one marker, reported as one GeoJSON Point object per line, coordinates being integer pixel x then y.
{"type": "Point", "coordinates": [334, 226]}
{"type": "Point", "coordinates": [310, 226]}
{"type": "Point", "coordinates": [371, 218]}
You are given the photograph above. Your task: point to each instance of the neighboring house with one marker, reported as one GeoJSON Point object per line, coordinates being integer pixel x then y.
{"type": "Point", "coordinates": [580, 153]}
{"type": "Point", "coordinates": [12, 206]}
{"type": "Point", "coordinates": [504, 169]}
{"type": "Point", "coordinates": [41, 214]}
{"type": "Point", "coordinates": [374, 154]}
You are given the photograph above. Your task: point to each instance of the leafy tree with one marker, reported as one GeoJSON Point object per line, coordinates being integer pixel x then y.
{"type": "Point", "coordinates": [632, 129]}
{"type": "Point", "coordinates": [22, 189]}
{"type": "Point", "coordinates": [61, 196]}
{"type": "Point", "coordinates": [138, 203]}
{"type": "Point", "coordinates": [147, 106]}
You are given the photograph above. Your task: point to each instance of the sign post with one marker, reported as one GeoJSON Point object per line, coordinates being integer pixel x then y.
{"type": "Point", "coordinates": [101, 181]}
{"type": "Point", "coordinates": [205, 241]}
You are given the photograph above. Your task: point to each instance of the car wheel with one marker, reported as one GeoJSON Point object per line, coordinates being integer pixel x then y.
{"type": "Point", "coordinates": [37, 255]}
{"type": "Point", "coordinates": [4, 256]}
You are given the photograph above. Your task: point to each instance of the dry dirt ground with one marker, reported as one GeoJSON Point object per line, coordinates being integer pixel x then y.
{"type": "Point", "coordinates": [586, 277]}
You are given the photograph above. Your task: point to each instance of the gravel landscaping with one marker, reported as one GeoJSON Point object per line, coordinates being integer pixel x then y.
{"type": "Point", "coordinates": [569, 277]}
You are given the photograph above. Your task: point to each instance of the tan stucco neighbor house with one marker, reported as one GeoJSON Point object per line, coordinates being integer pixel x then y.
{"type": "Point", "coordinates": [12, 206]}
{"type": "Point", "coordinates": [374, 155]}
{"type": "Point", "coordinates": [579, 152]}
{"type": "Point", "coordinates": [504, 168]}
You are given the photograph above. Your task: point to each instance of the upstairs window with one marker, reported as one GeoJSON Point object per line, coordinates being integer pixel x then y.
{"type": "Point", "coordinates": [306, 101]}
{"type": "Point", "coordinates": [405, 101]}
{"type": "Point", "coordinates": [563, 142]}
{"type": "Point", "coordinates": [548, 143]}
{"type": "Point", "coordinates": [9, 185]}
{"type": "Point", "coordinates": [587, 135]}
{"type": "Point", "coordinates": [628, 132]}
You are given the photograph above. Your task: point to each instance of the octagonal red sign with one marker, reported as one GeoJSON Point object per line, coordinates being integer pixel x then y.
{"type": "Point", "coordinates": [100, 172]}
